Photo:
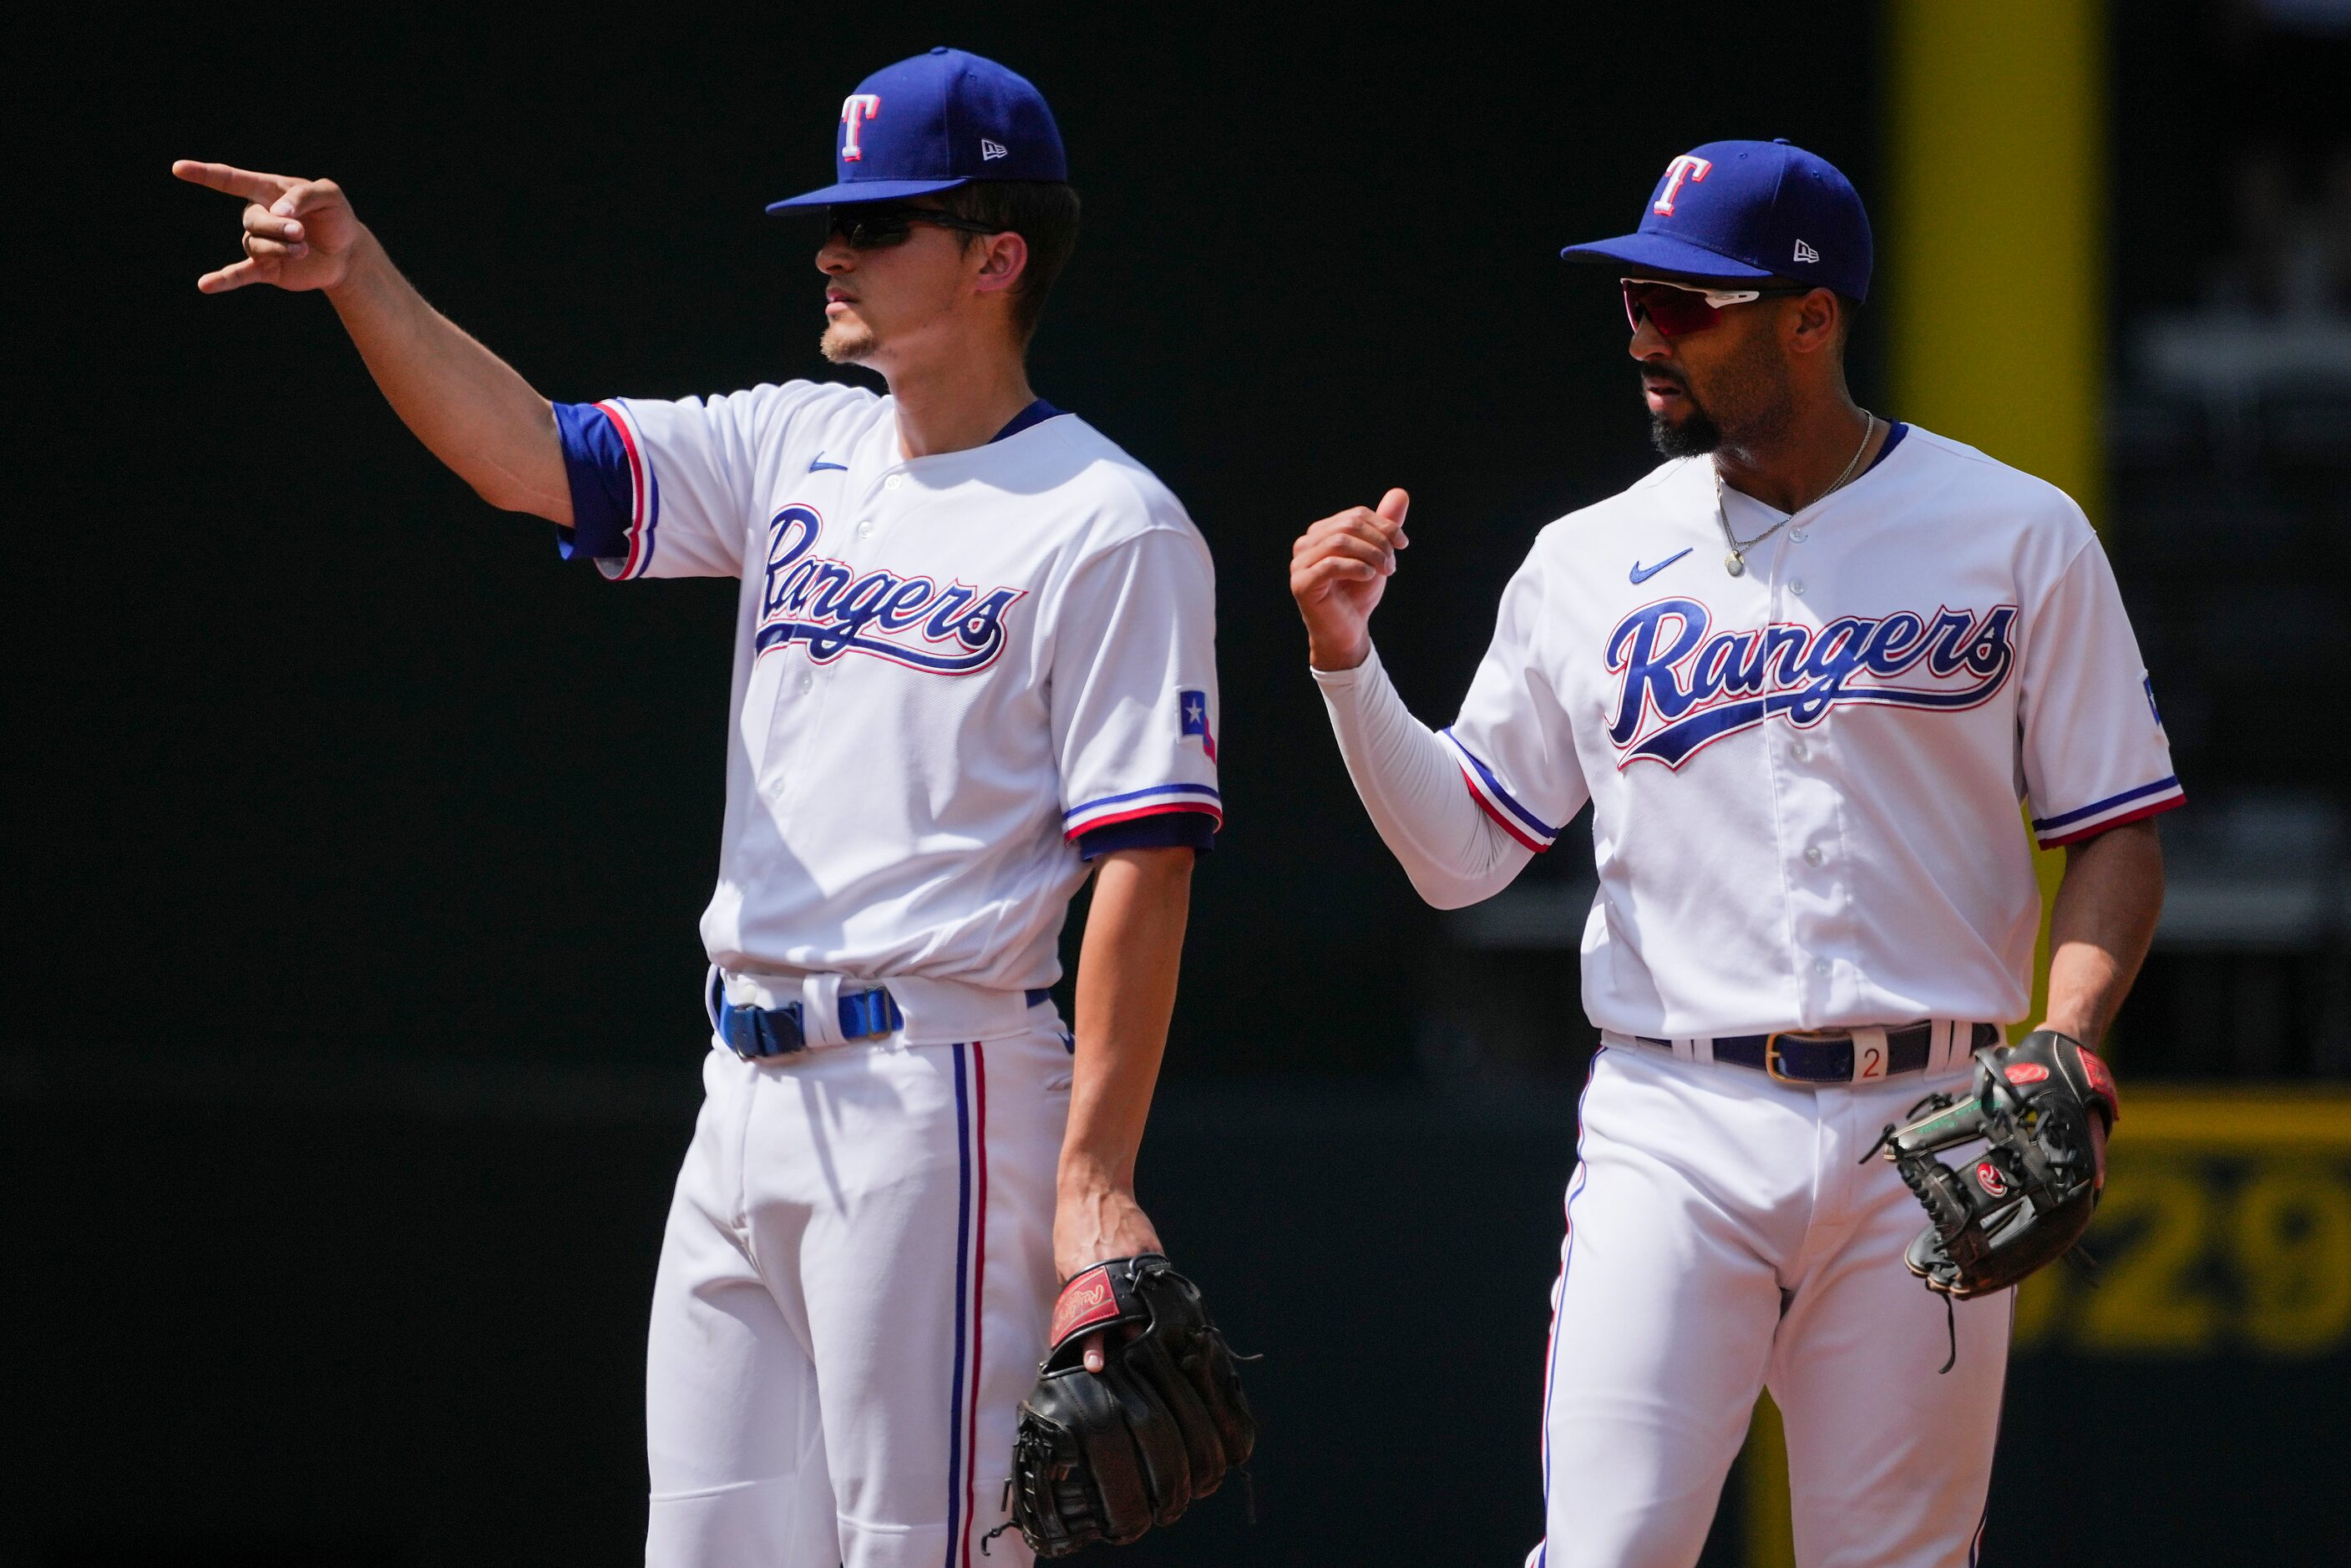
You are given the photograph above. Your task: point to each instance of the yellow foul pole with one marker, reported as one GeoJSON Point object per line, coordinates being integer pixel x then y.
{"type": "Point", "coordinates": [1992, 243]}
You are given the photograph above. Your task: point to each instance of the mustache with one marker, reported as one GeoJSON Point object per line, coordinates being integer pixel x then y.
{"type": "Point", "coordinates": [1665, 373]}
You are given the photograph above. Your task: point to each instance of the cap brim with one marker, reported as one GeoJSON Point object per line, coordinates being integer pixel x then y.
{"type": "Point", "coordinates": [848, 192]}
{"type": "Point", "coordinates": [1661, 253]}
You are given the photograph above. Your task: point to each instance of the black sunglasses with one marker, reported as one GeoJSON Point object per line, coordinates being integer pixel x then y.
{"type": "Point", "coordinates": [878, 225]}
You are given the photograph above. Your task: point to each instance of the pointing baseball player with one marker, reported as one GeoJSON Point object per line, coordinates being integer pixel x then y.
{"type": "Point", "coordinates": [974, 663]}
{"type": "Point", "coordinates": [1802, 672]}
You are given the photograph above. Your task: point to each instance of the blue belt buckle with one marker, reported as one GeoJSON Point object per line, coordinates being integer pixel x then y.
{"type": "Point", "coordinates": [773, 1032]}
{"type": "Point", "coordinates": [869, 1013]}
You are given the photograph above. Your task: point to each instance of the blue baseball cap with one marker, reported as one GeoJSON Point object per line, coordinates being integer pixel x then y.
{"type": "Point", "coordinates": [1748, 210]}
{"type": "Point", "coordinates": [933, 122]}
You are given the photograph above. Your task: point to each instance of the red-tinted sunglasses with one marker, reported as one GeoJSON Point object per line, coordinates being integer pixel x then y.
{"type": "Point", "coordinates": [1677, 310]}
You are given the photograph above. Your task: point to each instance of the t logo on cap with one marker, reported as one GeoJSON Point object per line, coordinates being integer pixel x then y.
{"type": "Point", "coordinates": [855, 109]}
{"type": "Point", "coordinates": [954, 117]}
{"type": "Point", "coordinates": [1688, 166]}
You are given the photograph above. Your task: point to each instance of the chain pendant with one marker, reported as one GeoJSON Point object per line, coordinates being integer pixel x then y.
{"type": "Point", "coordinates": [1735, 564]}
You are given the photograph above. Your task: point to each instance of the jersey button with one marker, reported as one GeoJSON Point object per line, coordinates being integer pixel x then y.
{"type": "Point", "coordinates": [1813, 856]}
{"type": "Point", "coordinates": [895, 481]}
{"type": "Point", "coordinates": [866, 530]}
{"type": "Point", "coordinates": [1796, 586]}
{"type": "Point", "coordinates": [1819, 966]}
{"type": "Point", "coordinates": [1797, 534]}
{"type": "Point", "coordinates": [1798, 750]}
{"type": "Point", "coordinates": [808, 684]}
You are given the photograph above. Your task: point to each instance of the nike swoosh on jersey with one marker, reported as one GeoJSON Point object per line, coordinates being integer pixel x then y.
{"type": "Point", "coordinates": [1642, 573]}
{"type": "Point", "coordinates": [817, 465]}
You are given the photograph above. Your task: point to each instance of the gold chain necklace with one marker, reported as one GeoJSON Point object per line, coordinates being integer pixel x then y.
{"type": "Point", "coordinates": [1735, 563]}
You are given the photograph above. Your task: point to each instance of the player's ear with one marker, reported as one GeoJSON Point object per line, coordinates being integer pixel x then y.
{"type": "Point", "coordinates": [1002, 259]}
{"type": "Point", "coordinates": [1810, 326]}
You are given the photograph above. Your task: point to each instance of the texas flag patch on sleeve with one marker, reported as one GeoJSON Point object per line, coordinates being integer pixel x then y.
{"type": "Point", "coordinates": [1194, 709]}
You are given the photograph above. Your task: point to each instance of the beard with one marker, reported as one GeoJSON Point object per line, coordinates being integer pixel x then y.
{"type": "Point", "coordinates": [847, 342]}
{"type": "Point", "coordinates": [1754, 393]}
{"type": "Point", "coordinates": [1694, 436]}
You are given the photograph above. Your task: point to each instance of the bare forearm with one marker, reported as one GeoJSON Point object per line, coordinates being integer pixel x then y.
{"type": "Point", "coordinates": [470, 407]}
{"type": "Point", "coordinates": [1126, 994]}
{"type": "Point", "coordinates": [2100, 926]}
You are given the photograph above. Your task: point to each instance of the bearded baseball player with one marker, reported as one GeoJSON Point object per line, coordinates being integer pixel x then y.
{"type": "Point", "coordinates": [1804, 673]}
{"type": "Point", "coordinates": [974, 663]}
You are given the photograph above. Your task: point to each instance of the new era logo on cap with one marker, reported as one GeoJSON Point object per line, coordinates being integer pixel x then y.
{"type": "Point", "coordinates": [936, 122]}
{"type": "Point", "coordinates": [1805, 253]}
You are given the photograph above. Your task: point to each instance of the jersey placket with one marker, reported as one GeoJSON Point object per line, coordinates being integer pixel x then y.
{"type": "Point", "coordinates": [1807, 811]}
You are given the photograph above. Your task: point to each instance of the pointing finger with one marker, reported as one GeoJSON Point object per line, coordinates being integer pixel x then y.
{"type": "Point", "coordinates": [235, 275]}
{"type": "Point", "coordinates": [232, 181]}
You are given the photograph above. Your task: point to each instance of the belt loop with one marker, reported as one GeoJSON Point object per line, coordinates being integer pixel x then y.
{"type": "Point", "coordinates": [821, 1009]}
{"type": "Point", "coordinates": [1698, 1050]}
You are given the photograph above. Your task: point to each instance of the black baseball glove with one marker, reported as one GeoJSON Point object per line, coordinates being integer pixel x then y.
{"type": "Point", "coordinates": [2031, 1191]}
{"type": "Point", "coordinates": [1106, 1455]}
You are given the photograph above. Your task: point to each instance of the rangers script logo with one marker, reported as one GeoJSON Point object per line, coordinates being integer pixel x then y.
{"type": "Point", "coordinates": [958, 630]}
{"type": "Point", "coordinates": [1680, 688]}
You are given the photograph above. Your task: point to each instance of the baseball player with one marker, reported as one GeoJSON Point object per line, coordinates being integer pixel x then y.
{"type": "Point", "coordinates": [974, 663]}
{"type": "Point", "coordinates": [1802, 672]}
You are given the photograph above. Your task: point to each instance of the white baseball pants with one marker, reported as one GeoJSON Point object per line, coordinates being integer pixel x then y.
{"type": "Point", "coordinates": [852, 1301]}
{"type": "Point", "coordinates": [1724, 1236]}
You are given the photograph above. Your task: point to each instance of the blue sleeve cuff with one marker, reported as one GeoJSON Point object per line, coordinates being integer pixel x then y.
{"type": "Point", "coordinates": [1162, 830]}
{"type": "Point", "coordinates": [603, 485]}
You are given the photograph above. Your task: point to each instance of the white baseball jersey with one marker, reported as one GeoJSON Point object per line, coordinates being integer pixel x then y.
{"type": "Point", "coordinates": [1804, 782]}
{"type": "Point", "coordinates": [955, 678]}
{"type": "Point", "coordinates": [1805, 778]}
{"type": "Point", "coordinates": [952, 673]}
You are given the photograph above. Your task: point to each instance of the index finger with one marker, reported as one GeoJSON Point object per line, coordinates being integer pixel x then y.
{"type": "Point", "coordinates": [1363, 523]}
{"type": "Point", "coordinates": [232, 181]}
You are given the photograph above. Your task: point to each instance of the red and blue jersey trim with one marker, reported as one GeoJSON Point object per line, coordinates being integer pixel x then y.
{"type": "Point", "coordinates": [1186, 829]}
{"type": "Point", "coordinates": [615, 493]}
{"type": "Point", "coordinates": [1127, 807]}
{"type": "Point", "coordinates": [2099, 816]}
{"type": "Point", "coordinates": [1487, 789]}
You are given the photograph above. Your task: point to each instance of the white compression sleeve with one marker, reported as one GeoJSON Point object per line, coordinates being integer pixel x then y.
{"type": "Point", "coordinates": [1412, 785]}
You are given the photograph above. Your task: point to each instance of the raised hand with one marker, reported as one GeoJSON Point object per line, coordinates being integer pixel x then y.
{"type": "Point", "coordinates": [1338, 570]}
{"type": "Point", "coordinates": [298, 233]}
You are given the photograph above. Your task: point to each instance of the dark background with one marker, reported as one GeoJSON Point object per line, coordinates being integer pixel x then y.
{"type": "Point", "coordinates": [335, 719]}
{"type": "Point", "coordinates": [359, 843]}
